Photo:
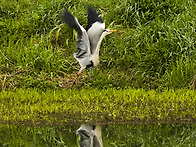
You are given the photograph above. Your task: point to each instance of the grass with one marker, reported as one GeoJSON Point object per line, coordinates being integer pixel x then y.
{"type": "Point", "coordinates": [94, 106]}
{"type": "Point", "coordinates": [153, 49]}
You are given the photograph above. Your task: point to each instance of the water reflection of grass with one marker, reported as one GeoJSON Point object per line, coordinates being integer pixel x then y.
{"type": "Point", "coordinates": [150, 135]}
{"type": "Point", "coordinates": [11, 135]}
{"type": "Point", "coordinates": [113, 136]}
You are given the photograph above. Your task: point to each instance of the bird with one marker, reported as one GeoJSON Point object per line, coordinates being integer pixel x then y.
{"type": "Point", "coordinates": [88, 39]}
{"type": "Point", "coordinates": [90, 136]}
{"type": "Point", "coordinates": [88, 45]}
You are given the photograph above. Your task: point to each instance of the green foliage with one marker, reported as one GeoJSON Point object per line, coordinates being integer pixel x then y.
{"type": "Point", "coordinates": [181, 73]}
{"type": "Point", "coordinates": [154, 46]}
{"type": "Point", "coordinates": [58, 107]}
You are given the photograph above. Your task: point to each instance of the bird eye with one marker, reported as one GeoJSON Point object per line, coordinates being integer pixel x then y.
{"type": "Point", "coordinates": [105, 31]}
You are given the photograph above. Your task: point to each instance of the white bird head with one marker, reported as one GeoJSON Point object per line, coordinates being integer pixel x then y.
{"type": "Point", "coordinates": [107, 31]}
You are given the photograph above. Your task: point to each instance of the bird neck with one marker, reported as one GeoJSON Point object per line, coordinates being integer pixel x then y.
{"type": "Point", "coordinates": [99, 45]}
{"type": "Point", "coordinates": [95, 56]}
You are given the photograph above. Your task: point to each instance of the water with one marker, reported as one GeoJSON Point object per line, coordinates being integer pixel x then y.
{"type": "Point", "coordinates": [112, 135]}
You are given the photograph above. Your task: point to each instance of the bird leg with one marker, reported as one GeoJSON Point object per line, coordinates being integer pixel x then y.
{"type": "Point", "coordinates": [91, 70]}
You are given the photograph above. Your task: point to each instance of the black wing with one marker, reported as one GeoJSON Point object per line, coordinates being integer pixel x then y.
{"type": "Point", "coordinates": [93, 17]}
{"type": "Point", "coordinates": [82, 38]}
{"type": "Point", "coordinates": [71, 21]}
{"type": "Point", "coordinates": [83, 44]}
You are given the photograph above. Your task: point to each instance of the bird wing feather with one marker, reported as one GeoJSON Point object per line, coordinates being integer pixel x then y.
{"type": "Point", "coordinates": [83, 44]}
{"type": "Point", "coordinates": [93, 17]}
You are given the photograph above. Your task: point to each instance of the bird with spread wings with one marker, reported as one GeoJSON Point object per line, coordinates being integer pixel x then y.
{"type": "Point", "coordinates": [88, 45]}
{"type": "Point", "coordinates": [89, 39]}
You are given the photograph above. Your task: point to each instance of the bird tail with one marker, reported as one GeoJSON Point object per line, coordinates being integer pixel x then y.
{"type": "Point", "coordinates": [71, 21]}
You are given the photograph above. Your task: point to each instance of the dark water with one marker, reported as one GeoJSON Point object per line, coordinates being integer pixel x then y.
{"type": "Point", "coordinates": [112, 135]}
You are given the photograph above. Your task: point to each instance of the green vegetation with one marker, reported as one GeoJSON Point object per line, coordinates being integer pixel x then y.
{"type": "Point", "coordinates": [17, 136]}
{"type": "Point", "coordinates": [93, 106]}
{"type": "Point", "coordinates": [154, 46]}
{"type": "Point", "coordinates": [113, 136]}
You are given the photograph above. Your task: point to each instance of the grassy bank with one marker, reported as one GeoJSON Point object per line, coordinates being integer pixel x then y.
{"type": "Point", "coordinates": [64, 107]}
{"type": "Point", "coordinates": [154, 46]}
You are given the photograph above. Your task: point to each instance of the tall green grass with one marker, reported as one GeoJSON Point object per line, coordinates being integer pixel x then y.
{"type": "Point", "coordinates": [154, 46]}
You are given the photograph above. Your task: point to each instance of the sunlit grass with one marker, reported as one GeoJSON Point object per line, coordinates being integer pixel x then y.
{"type": "Point", "coordinates": [109, 106]}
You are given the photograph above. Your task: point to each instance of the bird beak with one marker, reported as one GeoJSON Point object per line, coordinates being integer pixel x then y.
{"type": "Point", "coordinates": [112, 31]}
